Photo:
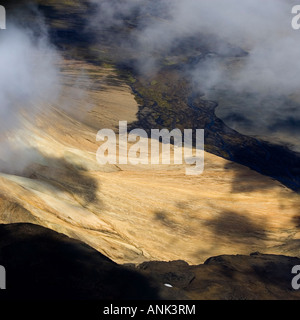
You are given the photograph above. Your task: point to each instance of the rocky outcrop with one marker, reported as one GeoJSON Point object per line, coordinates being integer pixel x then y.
{"type": "Point", "coordinates": [254, 277]}
{"type": "Point", "coordinates": [43, 264]}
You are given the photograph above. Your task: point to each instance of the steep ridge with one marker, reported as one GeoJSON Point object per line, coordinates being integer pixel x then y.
{"type": "Point", "coordinates": [42, 264]}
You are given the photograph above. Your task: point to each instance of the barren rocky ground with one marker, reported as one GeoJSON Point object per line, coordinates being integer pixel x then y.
{"type": "Point", "coordinates": [229, 233]}
{"type": "Point", "coordinates": [139, 213]}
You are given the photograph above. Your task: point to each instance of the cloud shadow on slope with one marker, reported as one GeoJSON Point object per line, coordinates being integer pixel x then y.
{"type": "Point", "coordinates": [58, 172]}
{"type": "Point", "coordinates": [235, 226]}
{"type": "Point", "coordinates": [63, 174]}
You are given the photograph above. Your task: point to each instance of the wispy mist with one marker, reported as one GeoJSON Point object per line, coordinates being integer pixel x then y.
{"type": "Point", "coordinates": [269, 69]}
{"type": "Point", "coordinates": [29, 77]}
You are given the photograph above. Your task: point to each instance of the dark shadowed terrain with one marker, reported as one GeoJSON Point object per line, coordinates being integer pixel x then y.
{"type": "Point", "coordinates": [42, 264]}
{"type": "Point", "coordinates": [73, 229]}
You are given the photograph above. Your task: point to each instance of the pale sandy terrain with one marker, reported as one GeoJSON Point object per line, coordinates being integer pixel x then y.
{"type": "Point", "coordinates": [138, 213]}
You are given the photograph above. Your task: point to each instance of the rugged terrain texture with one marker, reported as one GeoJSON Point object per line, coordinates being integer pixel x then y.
{"type": "Point", "coordinates": [132, 214]}
{"type": "Point", "coordinates": [137, 213]}
{"type": "Point", "coordinates": [167, 99]}
{"type": "Point", "coordinates": [42, 264]}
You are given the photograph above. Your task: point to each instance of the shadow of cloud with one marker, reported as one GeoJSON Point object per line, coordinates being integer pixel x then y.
{"type": "Point", "coordinates": [163, 218]}
{"type": "Point", "coordinates": [236, 226]}
{"type": "Point", "coordinates": [244, 180]}
{"type": "Point", "coordinates": [296, 218]}
{"type": "Point", "coordinates": [239, 230]}
{"type": "Point", "coordinates": [63, 174]}
{"type": "Point", "coordinates": [58, 172]}
{"type": "Point", "coordinates": [180, 227]}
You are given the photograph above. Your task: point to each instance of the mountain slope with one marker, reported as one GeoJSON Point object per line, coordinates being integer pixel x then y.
{"type": "Point", "coordinates": [42, 264]}
{"type": "Point", "coordinates": [137, 213]}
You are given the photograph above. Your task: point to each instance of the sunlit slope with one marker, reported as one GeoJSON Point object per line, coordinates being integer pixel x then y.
{"type": "Point", "coordinates": [134, 213]}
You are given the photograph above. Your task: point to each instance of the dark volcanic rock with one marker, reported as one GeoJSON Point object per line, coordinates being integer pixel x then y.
{"type": "Point", "coordinates": [255, 277]}
{"type": "Point", "coordinates": [176, 272]}
{"type": "Point", "coordinates": [43, 264]}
